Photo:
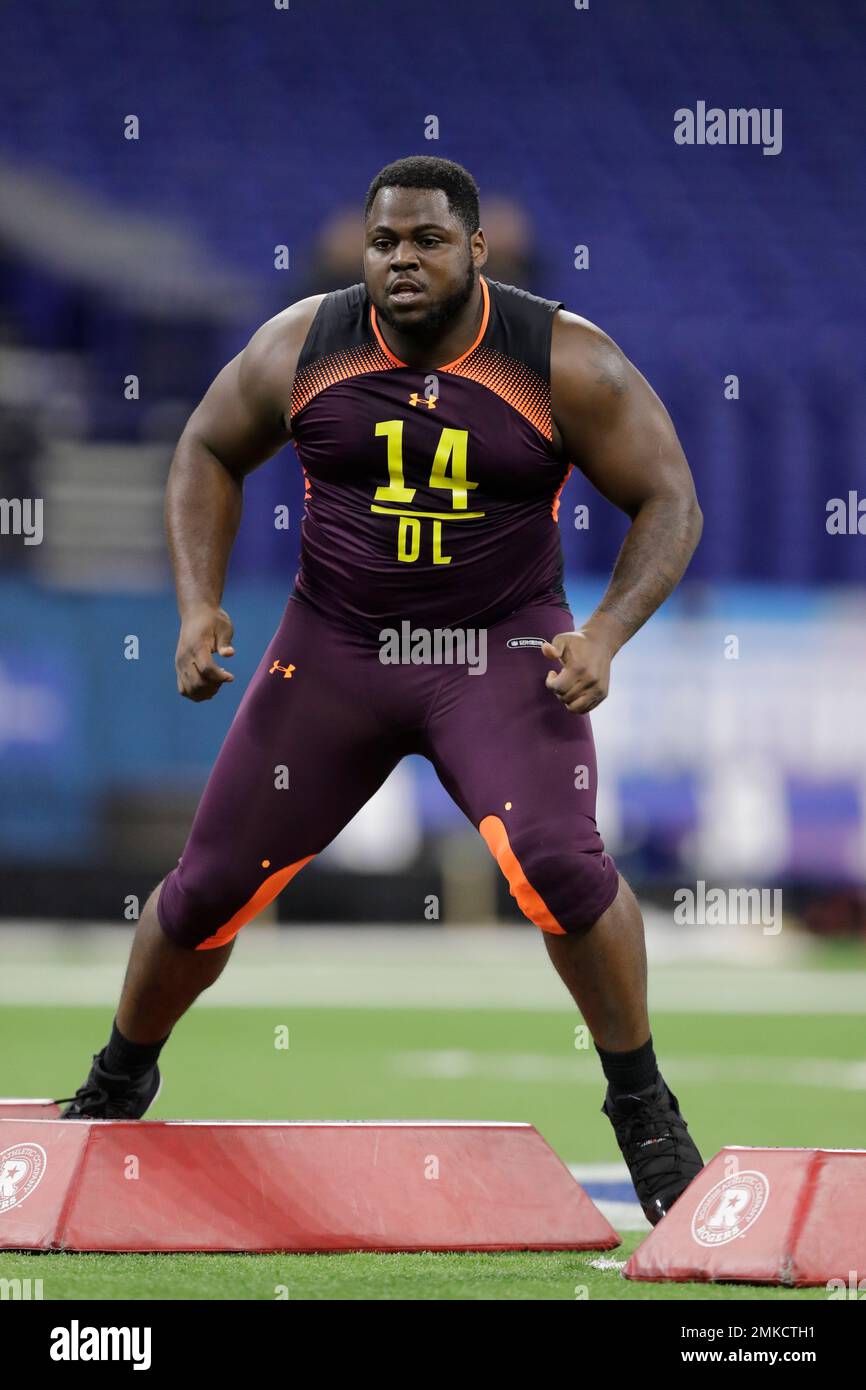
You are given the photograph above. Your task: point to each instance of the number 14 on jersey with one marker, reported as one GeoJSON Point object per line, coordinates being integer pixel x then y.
{"type": "Point", "coordinates": [448, 472]}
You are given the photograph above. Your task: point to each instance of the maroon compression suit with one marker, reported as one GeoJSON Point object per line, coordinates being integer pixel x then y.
{"type": "Point", "coordinates": [431, 501]}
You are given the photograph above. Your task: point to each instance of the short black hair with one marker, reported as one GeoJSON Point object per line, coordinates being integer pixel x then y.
{"type": "Point", "coordinates": [428, 171]}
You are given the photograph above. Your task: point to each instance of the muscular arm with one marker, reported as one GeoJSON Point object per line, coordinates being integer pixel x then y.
{"type": "Point", "coordinates": [241, 422]}
{"type": "Point", "coordinates": [613, 426]}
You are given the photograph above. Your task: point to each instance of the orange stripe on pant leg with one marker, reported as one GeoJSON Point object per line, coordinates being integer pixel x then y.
{"type": "Point", "coordinates": [531, 904]}
{"type": "Point", "coordinates": [264, 894]}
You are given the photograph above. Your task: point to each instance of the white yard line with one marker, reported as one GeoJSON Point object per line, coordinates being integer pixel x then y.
{"type": "Point", "coordinates": [599, 1172]}
{"type": "Point", "coordinates": [622, 1215]}
{"type": "Point", "coordinates": [442, 968]}
{"type": "Point", "coordinates": [453, 1064]}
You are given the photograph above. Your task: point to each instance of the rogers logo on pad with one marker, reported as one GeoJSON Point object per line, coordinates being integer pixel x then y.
{"type": "Point", "coordinates": [21, 1170]}
{"type": "Point", "coordinates": [730, 1208]}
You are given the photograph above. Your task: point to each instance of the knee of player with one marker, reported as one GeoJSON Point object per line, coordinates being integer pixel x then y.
{"type": "Point", "coordinates": [559, 885]}
{"type": "Point", "coordinates": [194, 909]}
{"type": "Point", "coordinates": [560, 869]}
{"type": "Point", "coordinates": [205, 906]}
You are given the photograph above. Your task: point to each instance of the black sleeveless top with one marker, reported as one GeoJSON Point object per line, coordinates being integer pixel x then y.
{"type": "Point", "coordinates": [431, 495]}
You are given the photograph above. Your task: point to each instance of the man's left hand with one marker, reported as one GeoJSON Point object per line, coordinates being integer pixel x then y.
{"type": "Point", "coordinates": [583, 681]}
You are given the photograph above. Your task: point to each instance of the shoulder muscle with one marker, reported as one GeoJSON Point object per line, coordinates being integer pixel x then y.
{"type": "Point", "coordinates": [243, 415]}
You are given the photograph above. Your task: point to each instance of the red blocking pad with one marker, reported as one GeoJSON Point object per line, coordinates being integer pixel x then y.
{"type": "Point", "coordinates": [11, 1109]}
{"type": "Point", "coordinates": [766, 1216]}
{"type": "Point", "coordinates": [186, 1185]}
{"type": "Point", "coordinates": [36, 1173]}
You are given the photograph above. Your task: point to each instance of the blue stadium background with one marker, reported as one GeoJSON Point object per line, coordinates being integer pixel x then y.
{"type": "Point", "coordinates": [155, 256]}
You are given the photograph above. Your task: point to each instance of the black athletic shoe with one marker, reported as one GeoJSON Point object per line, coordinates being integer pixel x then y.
{"type": "Point", "coordinates": [110, 1096]}
{"type": "Point", "coordinates": [656, 1145]}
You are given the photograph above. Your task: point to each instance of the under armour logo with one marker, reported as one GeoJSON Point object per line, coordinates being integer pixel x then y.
{"type": "Point", "coordinates": [286, 670]}
{"type": "Point", "coordinates": [429, 401]}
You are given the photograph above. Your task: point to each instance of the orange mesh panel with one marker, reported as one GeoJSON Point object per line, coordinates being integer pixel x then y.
{"type": "Point", "coordinates": [514, 382]}
{"type": "Point", "coordinates": [531, 904]}
{"type": "Point", "coordinates": [264, 894]}
{"type": "Point", "coordinates": [336, 366]}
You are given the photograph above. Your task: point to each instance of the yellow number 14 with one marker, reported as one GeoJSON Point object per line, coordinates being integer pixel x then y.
{"type": "Point", "coordinates": [451, 449]}
{"type": "Point", "coordinates": [448, 471]}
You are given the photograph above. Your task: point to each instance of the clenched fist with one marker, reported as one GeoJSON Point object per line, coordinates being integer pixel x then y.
{"type": "Point", "coordinates": [203, 631]}
{"type": "Point", "coordinates": [583, 681]}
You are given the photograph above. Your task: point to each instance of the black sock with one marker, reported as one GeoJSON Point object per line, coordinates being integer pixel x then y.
{"type": "Point", "coordinates": [127, 1058]}
{"type": "Point", "coordinates": [628, 1072]}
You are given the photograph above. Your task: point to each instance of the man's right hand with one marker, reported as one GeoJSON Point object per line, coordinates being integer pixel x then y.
{"type": "Point", "coordinates": [203, 632]}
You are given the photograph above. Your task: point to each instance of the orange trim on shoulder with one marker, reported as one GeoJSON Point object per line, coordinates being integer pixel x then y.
{"type": "Point", "coordinates": [374, 324]}
{"type": "Point", "coordinates": [531, 904]}
{"type": "Point", "coordinates": [449, 366]}
{"type": "Point", "coordinates": [554, 510]}
{"type": "Point", "coordinates": [264, 894]}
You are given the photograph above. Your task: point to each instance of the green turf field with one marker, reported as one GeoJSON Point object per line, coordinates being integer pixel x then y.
{"type": "Point", "coordinates": [777, 1079]}
{"type": "Point", "coordinates": [741, 1079]}
{"type": "Point", "coordinates": [422, 1276]}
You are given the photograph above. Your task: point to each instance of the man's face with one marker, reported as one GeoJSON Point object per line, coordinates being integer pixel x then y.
{"type": "Point", "coordinates": [419, 263]}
